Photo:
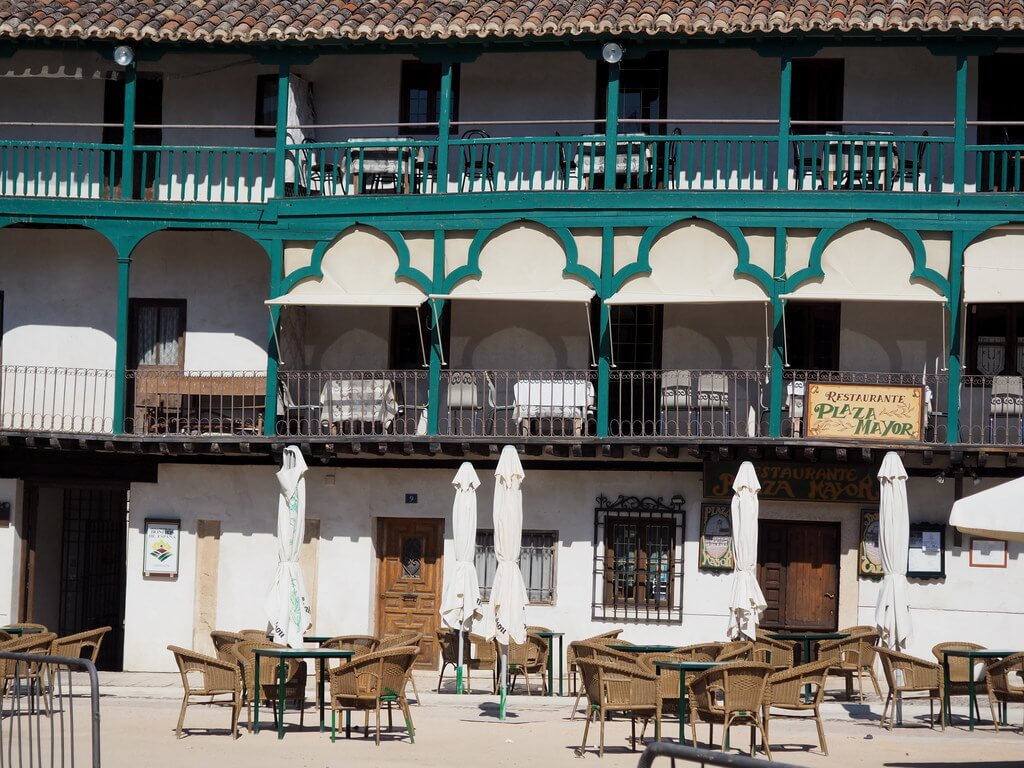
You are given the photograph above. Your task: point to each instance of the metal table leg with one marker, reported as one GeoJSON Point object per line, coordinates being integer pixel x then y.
{"type": "Point", "coordinates": [551, 665]}
{"type": "Point", "coordinates": [321, 691]}
{"type": "Point", "coordinates": [280, 698]}
{"type": "Point", "coordinates": [682, 706]}
{"type": "Point", "coordinates": [947, 715]}
{"type": "Point", "coordinates": [255, 696]}
{"type": "Point", "coordinates": [561, 663]}
{"type": "Point", "coordinates": [971, 696]}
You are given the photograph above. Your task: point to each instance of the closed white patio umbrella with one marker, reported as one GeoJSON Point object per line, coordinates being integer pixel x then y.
{"type": "Point", "coordinates": [460, 603]}
{"type": "Point", "coordinates": [747, 601]}
{"type": "Point", "coordinates": [892, 613]}
{"type": "Point", "coordinates": [287, 604]}
{"type": "Point", "coordinates": [507, 607]}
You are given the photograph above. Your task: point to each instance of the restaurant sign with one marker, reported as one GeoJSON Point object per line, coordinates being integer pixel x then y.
{"type": "Point", "coordinates": [864, 412]}
{"type": "Point", "coordinates": [782, 481]}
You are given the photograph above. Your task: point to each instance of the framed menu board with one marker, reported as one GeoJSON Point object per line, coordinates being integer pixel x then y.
{"type": "Point", "coordinates": [716, 537]}
{"type": "Point", "coordinates": [927, 556]}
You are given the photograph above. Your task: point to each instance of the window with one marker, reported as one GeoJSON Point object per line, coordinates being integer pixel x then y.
{"type": "Point", "coordinates": [817, 94]}
{"type": "Point", "coordinates": [410, 345]}
{"type": "Point", "coordinates": [536, 561]}
{"type": "Point", "coordinates": [812, 335]}
{"type": "Point", "coordinates": [643, 85]}
{"type": "Point", "coordinates": [157, 333]}
{"type": "Point", "coordinates": [638, 549]}
{"type": "Point", "coordinates": [149, 96]}
{"type": "Point", "coordinates": [266, 105]}
{"type": "Point", "coordinates": [995, 338]}
{"type": "Point", "coordinates": [420, 99]}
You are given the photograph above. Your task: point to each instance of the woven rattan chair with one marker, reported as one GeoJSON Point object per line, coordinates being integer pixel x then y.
{"type": "Point", "coordinates": [732, 694]}
{"type": "Point", "coordinates": [73, 646]}
{"type": "Point", "coordinates": [370, 682]}
{"type": "Point", "coordinates": [219, 679]}
{"type": "Point", "coordinates": [570, 658]}
{"type": "Point", "coordinates": [222, 643]}
{"type": "Point", "coordinates": [669, 679]}
{"type": "Point", "coordinates": [358, 644]}
{"type": "Point", "coordinates": [908, 674]}
{"type": "Point", "coordinates": [850, 657]}
{"type": "Point", "coordinates": [785, 692]}
{"type": "Point", "coordinates": [485, 657]}
{"type": "Point", "coordinates": [5, 636]}
{"type": "Point", "coordinates": [448, 642]}
{"type": "Point", "coordinates": [255, 635]}
{"type": "Point", "coordinates": [530, 658]}
{"type": "Point", "coordinates": [398, 640]}
{"type": "Point", "coordinates": [961, 672]}
{"type": "Point", "coordinates": [1005, 683]}
{"type": "Point", "coordinates": [619, 686]}
{"type": "Point", "coordinates": [767, 650]}
{"type": "Point", "coordinates": [267, 689]}
{"type": "Point", "coordinates": [698, 652]}
{"type": "Point", "coordinates": [37, 643]}
{"type": "Point", "coordinates": [740, 650]}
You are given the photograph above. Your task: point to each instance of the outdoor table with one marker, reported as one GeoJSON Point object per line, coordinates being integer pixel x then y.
{"type": "Point", "coordinates": [682, 667]}
{"type": "Point", "coordinates": [552, 399]}
{"type": "Point", "coordinates": [551, 662]}
{"type": "Point", "coordinates": [362, 400]}
{"type": "Point", "coordinates": [970, 655]}
{"type": "Point", "coordinates": [321, 654]}
{"type": "Point", "coordinates": [806, 638]}
{"type": "Point", "coordinates": [643, 648]}
{"type": "Point", "coordinates": [19, 631]}
{"type": "Point", "coordinates": [380, 161]}
{"type": "Point", "coordinates": [859, 160]}
{"type": "Point", "coordinates": [632, 158]}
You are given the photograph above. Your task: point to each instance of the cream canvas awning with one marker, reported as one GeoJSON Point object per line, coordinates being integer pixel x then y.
{"type": "Point", "coordinates": [571, 295]}
{"type": "Point", "coordinates": [917, 297]}
{"type": "Point", "coordinates": [995, 512]}
{"type": "Point", "coordinates": [993, 279]}
{"type": "Point", "coordinates": [623, 297]}
{"type": "Point", "coordinates": [343, 299]}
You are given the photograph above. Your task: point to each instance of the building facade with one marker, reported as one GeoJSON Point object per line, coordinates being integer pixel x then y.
{"type": "Point", "coordinates": [394, 238]}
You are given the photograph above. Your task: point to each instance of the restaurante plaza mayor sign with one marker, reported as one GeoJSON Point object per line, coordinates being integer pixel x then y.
{"type": "Point", "coordinates": [864, 412]}
{"type": "Point", "coordinates": [791, 481]}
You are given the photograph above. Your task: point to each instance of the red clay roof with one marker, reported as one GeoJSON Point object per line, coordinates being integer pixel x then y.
{"type": "Point", "coordinates": [247, 21]}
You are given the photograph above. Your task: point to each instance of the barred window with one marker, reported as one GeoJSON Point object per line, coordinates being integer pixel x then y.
{"type": "Point", "coordinates": [536, 561]}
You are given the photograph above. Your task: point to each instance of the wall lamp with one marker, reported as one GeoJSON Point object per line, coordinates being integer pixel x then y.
{"type": "Point", "coordinates": [611, 53]}
{"type": "Point", "coordinates": [124, 56]}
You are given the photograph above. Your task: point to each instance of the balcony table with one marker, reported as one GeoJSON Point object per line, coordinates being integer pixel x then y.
{"type": "Point", "coordinates": [362, 400]}
{"type": "Point", "coordinates": [632, 158]}
{"type": "Point", "coordinates": [550, 636]}
{"type": "Point", "coordinates": [860, 161]}
{"type": "Point", "coordinates": [682, 667]}
{"type": "Point", "coordinates": [375, 163]}
{"type": "Point", "coordinates": [321, 655]}
{"type": "Point", "coordinates": [806, 638]}
{"type": "Point", "coordinates": [552, 399]}
{"type": "Point", "coordinates": [970, 654]}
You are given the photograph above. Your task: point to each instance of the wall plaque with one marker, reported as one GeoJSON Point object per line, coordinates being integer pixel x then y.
{"type": "Point", "coordinates": [791, 481]}
{"type": "Point", "coordinates": [716, 537]}
{"type": "Point", "coordinates": [160, 557]}
{"type": "Point", "coordinates": [870, 560]}
{"type": "Point", "coordinates": [864, 412]}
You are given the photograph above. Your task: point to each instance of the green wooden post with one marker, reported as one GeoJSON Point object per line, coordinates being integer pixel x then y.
{"type": "Point", "coordinates": [128, 135]}
{"type": "Point", "coordinates": [281, 129]}
{"type": "Point", "coordinates": [436, 353]}
{"type": "Point", "coordinates": [444, 127]}
{"type": "Point", "coordinates": [960, 125]}
{"type": "Point", "coordinates": [604, 348]}
{"type": "Point", "coordinates": [778, 357]}
{"type": "Point", "coordinates": [124, 264]}
{"type": "Point", "coordinates": [275, 250]}
{"type": "Point", "coordinates": [956, 264]}
{"type": "Point", "coordinates": [611, 126]}
{"type": "Point", "coordinates": [785, 94]}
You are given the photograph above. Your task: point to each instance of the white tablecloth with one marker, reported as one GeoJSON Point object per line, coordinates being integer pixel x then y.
{"type": "Point", "coordinates": [859, 161]}
{"type": "Point", "coordinates": [368, 400]}
{"type": "Point", "coordinates": [551, 398]}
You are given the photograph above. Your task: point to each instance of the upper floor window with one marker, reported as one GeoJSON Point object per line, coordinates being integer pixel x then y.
{"type": "Point", "coordinates": [412, 334]}
{"type": "Point", "coordinates": [995, 340]}
{"type": "Point", "coordinates": [816, 94]}
{"type": "Point", "coordinates": [812, 335]}
{"type": "Point", "coordinates": [420, 98]}
{"type": "Point", "coordinates": [266, 105]}
{"type": "Point", "coordinates": [643, 89]}
{"type": "Point", "coordinates": [157, 333]}
{"type": "Point", "coordinates": [536, 561]}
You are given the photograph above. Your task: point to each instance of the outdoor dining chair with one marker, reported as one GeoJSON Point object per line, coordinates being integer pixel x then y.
{"type": "Point", "coordinates": [731, 694]}
{"type": "Point", "coordinates": [623, 687]}
{"type": "Point", "coordinates": [254, 635]}
{"type": "Point", "coordinates": [267, 686]}
{"type": "Point", "coordinates": [908, 674]}
{"type": "Point", "coordinates": [767, 650]}
{"type": "Point", "coordinates": [448, 642]}
{"type": "Point", "coordinates": [1002, 688]}
{"type": "Point", "coordinates": [485, 654]}
{"type": "Point", "coordinates": [698, 652]}
{"type": "Point", "coordinates": [910, 165]}
{"type": "Point", "coordinates": [36, 643]}
{"type": "Point", "coordinates": [850, 657]}
{"type": "Point", "coordinates": [526, 659]}
{"type": "Point", "coordinates": [371, 682]}
{"type": "Point", "coordinates": [73, 646]}
{"type": "Point", "coordinates": [570, 659]}
{"type": "Point", "coordinates": [961, 671]}
{"type": "Point", "coordinates": [402, 639]}
{"type": "Point", "coordinates": [5, 636]}
{"type": "Point", "coordinates": [216, 678]}
{"type": "Point", "coordinates": [568, 167]}
{"type": "Point", "coordinates": [739, 650]}
{"type": "Point", "coordinates": [463, 398]}
{"type": "Point", "coordinates": [808, 164]}
{"type": "Point", "coordinates": [785, 692]}
{"type": "Point", "coordinates": [477, 162]}
{"type": "Point", "coordinates": [223, 642]}
{"type": "Point", "coordinates": [596, 648]}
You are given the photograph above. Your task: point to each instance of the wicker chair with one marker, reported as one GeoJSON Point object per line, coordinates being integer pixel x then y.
{"type": "Point", "coordinates": [267, 689]}
{"type": "Point", "coordinates": [731, 694]}
{"type": "Point", "coordinates": [485, 657]}
{"type": "Point", "coordinates": [398, 640]}
{"type": "Point", "coordinates": [619, 686]}
{"type": "Point", "coordinates": [767, 650]}
{"type": "Point", "coordinates": [73, 646]}
{"type": "Point", "coordinates": [37, 643]}
{"type": "Point", "coordinates": [448, 641]}
{"type": "Point", "coordinates": [961, 672]}
{"type": "Point", "coordinates": [219, 678]}
{"type": "Point", "coordinates": [255, 635]}
{"type": "Point", "coordinates": [698, 652]}
{"type": "Point", "coordinates": [669, 679]}
{"type": "Point", "coordinates": [1001, 689]}
{"type": "Point", "coordinates": [358, 644]}
{"type": "Point", "coordinates": [740, 650]}
{"type": "Point", "coordinates": [785, 692]}
{"type": "Point", "coordinates": [222, 643]}
{"type": "Point", "coordinates": [5, 636]}
{"type": "Point", "coordinates": [530, 658]}
{"type": "Point", "coordinates": [371, 681]}
{"type": "Point", "coordinates": [908, 674]}
{"type": "Point", "coordinates": [570, 658]}
{"type": "Point", "coordinates": [852, 656]}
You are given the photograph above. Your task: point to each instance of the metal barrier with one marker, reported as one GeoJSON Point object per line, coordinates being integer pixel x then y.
{"type": "Point", "coordinates": [44, 720]}
{"type": "Point", "coordinates": [698, 756]}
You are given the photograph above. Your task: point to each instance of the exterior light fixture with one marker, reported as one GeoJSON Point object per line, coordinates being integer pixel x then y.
{"type": "Point", "coordinates": [940, 478]}
{"type": "Point", "coordinates": [124, 56]}
{"type": "Point", "coordinates": [611, 53]}
{"type": "Point", "coordinates": [678, 501]}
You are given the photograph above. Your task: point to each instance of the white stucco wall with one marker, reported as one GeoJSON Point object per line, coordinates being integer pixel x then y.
{"type": "Point", "coordinates": [11, 491]}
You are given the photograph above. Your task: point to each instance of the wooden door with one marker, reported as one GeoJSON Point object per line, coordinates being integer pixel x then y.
{"type": "Point", "coordinates": [798, 569]}
{"type": "Point", "coordinates": [409, 568]}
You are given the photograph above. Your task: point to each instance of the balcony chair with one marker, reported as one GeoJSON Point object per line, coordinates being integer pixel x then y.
{"type": "Point", "coordinates": [1007, 402]}
{"type": "Point", "coordinates": [794, 406]}
{"type": "Point", "coordinates": [215, 678]}
{"type": "Point", "coordinates": [477, 163]}
{"type": "Point", "coordinates": [568, 168]}
{"type": "Point", "coordinates": [906, 175]}
{"type": "Point", "coordinates": [713, 396]}
{"type": "Point", "coordinates": [494, 408]}
{"type": "Point", "coordinates": [676, 395]}
{"type": "Point", "coordinates": [1002, 687]}
{"type": "Point", "coordinates": [297, 419]}
{"type": "Point", "coordinates": [463, 400]}
{"type": "Point", "coordinates": [807, 164]}
{"type": "Point", "coordinates": [907, 674]}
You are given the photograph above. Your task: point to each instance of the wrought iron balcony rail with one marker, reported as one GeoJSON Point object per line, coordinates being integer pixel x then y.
{"type": "Point", "coordinates": [56, 399]}
{"type": "Point", "coordinates": [172, 402]}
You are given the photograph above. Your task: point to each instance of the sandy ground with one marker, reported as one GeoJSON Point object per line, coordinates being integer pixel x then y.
{"type": "Point", "coordinates": [137, 722]}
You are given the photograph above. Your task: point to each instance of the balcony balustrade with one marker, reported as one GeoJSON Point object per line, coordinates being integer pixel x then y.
{"type": "Point", "coordinates": [36, 398]}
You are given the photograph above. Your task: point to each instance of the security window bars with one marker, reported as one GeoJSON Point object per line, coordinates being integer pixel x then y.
{"type": "Point", "coordinates": [536, 561]}
{"type": "Point", "coordinates": [638, 559]}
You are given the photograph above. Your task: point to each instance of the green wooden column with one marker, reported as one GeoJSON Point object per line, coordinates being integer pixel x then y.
{"type": "Point", "coordinates": [275, 251]}
{"type": "Point", "coordinates": [785, 94]}
{"type": "Point", "coordinates": [436, 352]}
{"type": "Point", "coordinates": [778, 355]}
{"type": "Point", "coordinates": [958, 245]}
{"type": "Point", "coordinates": [281, 129]}
{"type": "Point", "coordinates": [128, 135]}
{"type": "Point", "coordinates": [124, 265]}
{"type": "Point", "coordinates": [611, 126]}
{"type": "Point", "coordinates": [604, 339]}
{"type": "Point", "coordinates": [444, 126]}
{"type": "Point", "coordinates": [960, 125]}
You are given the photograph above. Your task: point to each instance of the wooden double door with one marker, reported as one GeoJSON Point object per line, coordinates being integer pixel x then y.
{"type": "Point", "coordinates": [409, 573]}
{"type": "Point", "coordinates": [798, 570]}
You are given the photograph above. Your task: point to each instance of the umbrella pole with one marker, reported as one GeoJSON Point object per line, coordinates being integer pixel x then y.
{"type": "Point", "coordinates": [504, 681]}
{"type": "Point", "coordinates": [458, 669]}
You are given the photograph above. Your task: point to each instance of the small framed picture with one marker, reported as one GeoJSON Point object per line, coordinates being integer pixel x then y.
{"type": "Point", "coordinates": [870, 560]}
{"type": "Point", "coordinates": [160, 557]}
{"type": "Point", "coordinates": [988, 553]}
{"type": "Point", "coordinates": [716, 537]}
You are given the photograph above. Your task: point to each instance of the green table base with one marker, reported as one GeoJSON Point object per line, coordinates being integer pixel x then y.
{"type": "Point", "coordinates": [551, 662]}
{"type": "Point", "coordinates": [972, 697]}
{"type": "Point", "coordinates": [281, 654]}
{"type": "Point", "coordinates": [643, 648]}
{"type": "Point", "coordinates": [806, 638]}
{"type": "Point", "coordinates": [682, 667]}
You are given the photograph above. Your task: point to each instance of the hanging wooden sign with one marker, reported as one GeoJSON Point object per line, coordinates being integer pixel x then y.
{"type": "Point", "coordinates": [865, 412]}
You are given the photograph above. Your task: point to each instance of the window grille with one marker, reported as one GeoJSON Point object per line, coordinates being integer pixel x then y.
{"type": "Point", "coordinates": [536, 561]}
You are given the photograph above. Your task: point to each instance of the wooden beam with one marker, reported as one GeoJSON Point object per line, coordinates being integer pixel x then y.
{"type": "Point", "coordinates": [576, 451]}
{"type": "Point", "coordinates": [982, 459]}
{"type": "Point", "coordinates": [865, 455]}
{"type": "Point", "coordinates": [356, 448]}
{"type": "Point", "coordinates": [1011, 459]}
{"type": "Point", "coordinates": [382, 448]}
{"type": "Point", "coordinates": [927, 456]}
{"type": "Point", "coordinates": [782, 451]}
{"type": "Point", "coordinates": [669, 451]}
{"type": "Point", "coordinates": [810, 454]}
{"type": "Point", "coordinates": [215, 448]}
{"type": "Point", "coordinates": [841, 454]}
{"type": "Point", "coordinates": [407, 448]}
{"type": "Point", "coordinates": [244, 448]}
{"type": "Point", "coordinates": [55, 444]}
